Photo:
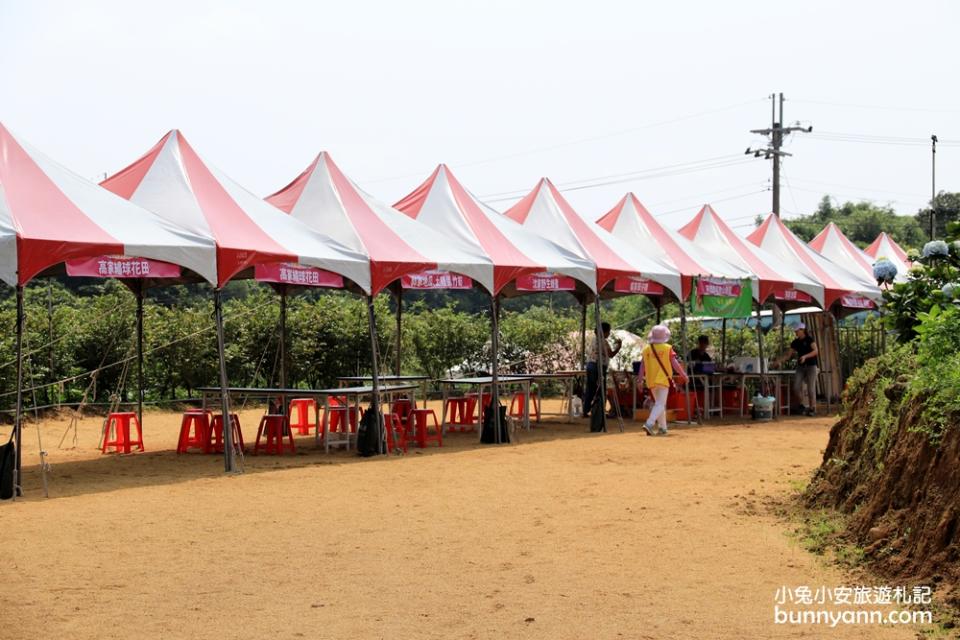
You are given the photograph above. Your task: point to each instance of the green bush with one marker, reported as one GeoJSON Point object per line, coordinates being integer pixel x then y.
{"type": "Point", "coordinates": [933, 281]}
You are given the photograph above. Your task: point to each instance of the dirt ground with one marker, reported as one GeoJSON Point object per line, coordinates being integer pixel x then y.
{"type": "Point", "coordinates": [563, 534]}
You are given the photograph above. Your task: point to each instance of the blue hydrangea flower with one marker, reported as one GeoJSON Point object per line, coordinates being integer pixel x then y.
{"type": "Point", "coordinates": [935, 249]}
{"type": "Point", "coordinates": [884, 271]}
{"type": "Point", "coordinates": [949, 289]}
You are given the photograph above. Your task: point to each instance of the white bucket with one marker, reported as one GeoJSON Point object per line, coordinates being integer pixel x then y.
{"type": "Point", "coordinates": [763, 407]}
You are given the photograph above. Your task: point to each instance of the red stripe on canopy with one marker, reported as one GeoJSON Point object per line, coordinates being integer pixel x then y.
{"type": "Point", "coordinates": [509, 263]}
{"type": "Point", "coordinates": [240, 242]}
{"type": "Point", "coordinates": [884, 240]}
{"type": "Point", "coordinates": [124, 183]}
{"type": "Point", "coordinates": [50, 227]}
{"type": "Point", "coordinates": [834, 245]}
{"type": "Point", "coordinates": [390, 255]}
{"type": "Point", "coordinates": [769, 279]}
{"type": "Point", "coordinates": [609, 265]}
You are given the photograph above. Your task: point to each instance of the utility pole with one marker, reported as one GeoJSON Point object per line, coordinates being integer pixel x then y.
{"type": "Point", "coordinates": [776, 134]}
{"type": "Point", "coordinates": [933, 187]}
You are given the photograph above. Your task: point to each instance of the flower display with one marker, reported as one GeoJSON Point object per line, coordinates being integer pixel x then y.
{"type": "Point", "coordinates": [884, 271]}
{"type": "Point", "coordinates": [936, 249]}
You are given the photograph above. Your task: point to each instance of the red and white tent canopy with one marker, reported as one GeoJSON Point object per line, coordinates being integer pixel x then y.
{"type": "Point", "coordinates": [49, 215]}
{"type": "Point", "coordinates": [172, 181]}
{"type": "Point", "coordinates": [630, 221]}
{"type": "Point", "coordinates": [547, 212]}
{"type": "Point", "coordinates": [850, 289]}
{"type": "Point", "coordinates": [886, 247]}
{"type": "Point", "coordinates": [833, 245]}
{"type": "Point", "coordinates": [443, 204]}
{"type": "Point", "coordinates": [323, 198]}
{"type": "Point", "coordinates": [774, 278]}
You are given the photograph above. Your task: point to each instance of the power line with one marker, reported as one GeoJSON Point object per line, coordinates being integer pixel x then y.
{"type": "Point", "coordinates": [736, 197]}
{"type": "Point", "coordinates": [874, 106]}
{"type": "Point", "coordinates": [620, 178]}
{"type": "Point", "coordinates": [790, 189]}
{"type": "Point", "coordinates": [866, 138]}
{"type": "Point", "coordinates": [697, 196]}
{"type": "Point", "coordinates": [847, 186]}
{"type": "Point", "coordinates": [570, 143]}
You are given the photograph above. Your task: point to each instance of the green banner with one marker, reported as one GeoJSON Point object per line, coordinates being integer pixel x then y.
{"type": "Point", "coordinates": [721, 297]}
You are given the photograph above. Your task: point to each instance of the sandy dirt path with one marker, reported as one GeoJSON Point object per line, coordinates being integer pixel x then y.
{"type": "Point", "coordinates": [564, 534]}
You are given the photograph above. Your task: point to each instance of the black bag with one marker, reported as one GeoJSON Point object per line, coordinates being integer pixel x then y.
{"type": "Point", "coordinates": [598, 419]}
{"type": "Point", "coordinates": [368, 434]}
{"type": "Point", "coordinates": [487, 434]}
{"type": "Point", "coordinates": [8, 462]}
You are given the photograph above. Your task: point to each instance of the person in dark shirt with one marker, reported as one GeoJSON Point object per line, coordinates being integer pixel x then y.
{"type": "Point", "coordinates": [595, 370]}
{"type": "Point", "coordinates": [700, 354]}
{"type": "Point", "coordinates": [805, 348]}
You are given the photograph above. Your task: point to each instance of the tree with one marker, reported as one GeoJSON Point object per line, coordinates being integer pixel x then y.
{"type": "Point", "coordinates": [862, 222]}
{"type": "Point", "coordinates": [444, 338]}
{"type": "Point", "coordinates": [947, 207]}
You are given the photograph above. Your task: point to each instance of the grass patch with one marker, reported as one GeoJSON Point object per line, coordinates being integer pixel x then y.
{"type": "Point", "coordinates": [799, 486]}
{"type": "Point", "coordinates": [820, 532]}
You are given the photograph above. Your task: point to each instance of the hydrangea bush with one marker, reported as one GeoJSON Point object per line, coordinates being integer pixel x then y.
{"type": "Point", "coordinates": [932, 281]}
{"type": "Point", "coordinates": [884, 271]}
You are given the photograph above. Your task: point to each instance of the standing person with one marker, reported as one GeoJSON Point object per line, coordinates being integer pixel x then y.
{"type": "Point", "coordinates": [594, 371]}
{"type": "Point", "coordinates": [805, 348]}
{"type": "Point", "coordinates": [658, 364]}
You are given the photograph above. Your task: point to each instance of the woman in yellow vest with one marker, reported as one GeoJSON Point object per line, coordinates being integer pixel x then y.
{"type": "Point", "coordinates": [658, 364]}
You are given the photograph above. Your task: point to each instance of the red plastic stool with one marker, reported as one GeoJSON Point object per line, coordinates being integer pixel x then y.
{"type": "Point", "coordinates": [272, 429]}
{"type": "Point", "coordinates": [459, 415]}
{"type": "Point", "coordinates": [396, 433]}
{"type": "Point", "coordinates": [339, 415]}
{"type": "Point", "coordinates": [472, 406]}
{"type": "Point", "coordinates": [418, 422]}
{"type": "Point", "coordinates": [519, 401]}
{"type": "Point", "coordinates": [199, 420]}
{"type": "Point", "coordinates": [300, 412]}
{"type": "Point", "coordinates": [216, 434]}
{"type": "Point", "coordinates": [402, 407]}
{"type": "Point", "coordinates": [116, 433]}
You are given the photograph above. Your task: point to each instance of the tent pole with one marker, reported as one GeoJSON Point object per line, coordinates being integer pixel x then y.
{"type": "Point", "coordinates": [658, 309]}
{"type": "Point", "coordinates": [583, 335]}
{"type": "Point", "coordinates": [601, 357]}
{"type": "Point", "coordinates": [229, 456]}
{"type": "Point", "coordinates": [494, 367]}
{"type": "Point", "coordinates": [763, 366]}
{"type": "Point", "coordinates": [375, 365]}
{"type": "Point", "coordinates": [396, 368]}
{"type": "Point", "coordinates": [18, 417]}
{"type": "Point", "coordinates": [51, 390]}
{"type": "Point", "coordinates": [283, 341]}
{"type": "Point", "coordinates": [783, 327]}
{"type": "Point", "coordinates": [140, 352]}
{"type": "Point", "coordinates": [683, 349]}
{"type": "Point", "coordinates": [723, 342]}
{"type": "Point", "coordinates": [837, 374]}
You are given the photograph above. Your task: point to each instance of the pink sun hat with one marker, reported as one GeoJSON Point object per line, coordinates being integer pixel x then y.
{"type": "Point", "coordinates": [659, 334]}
